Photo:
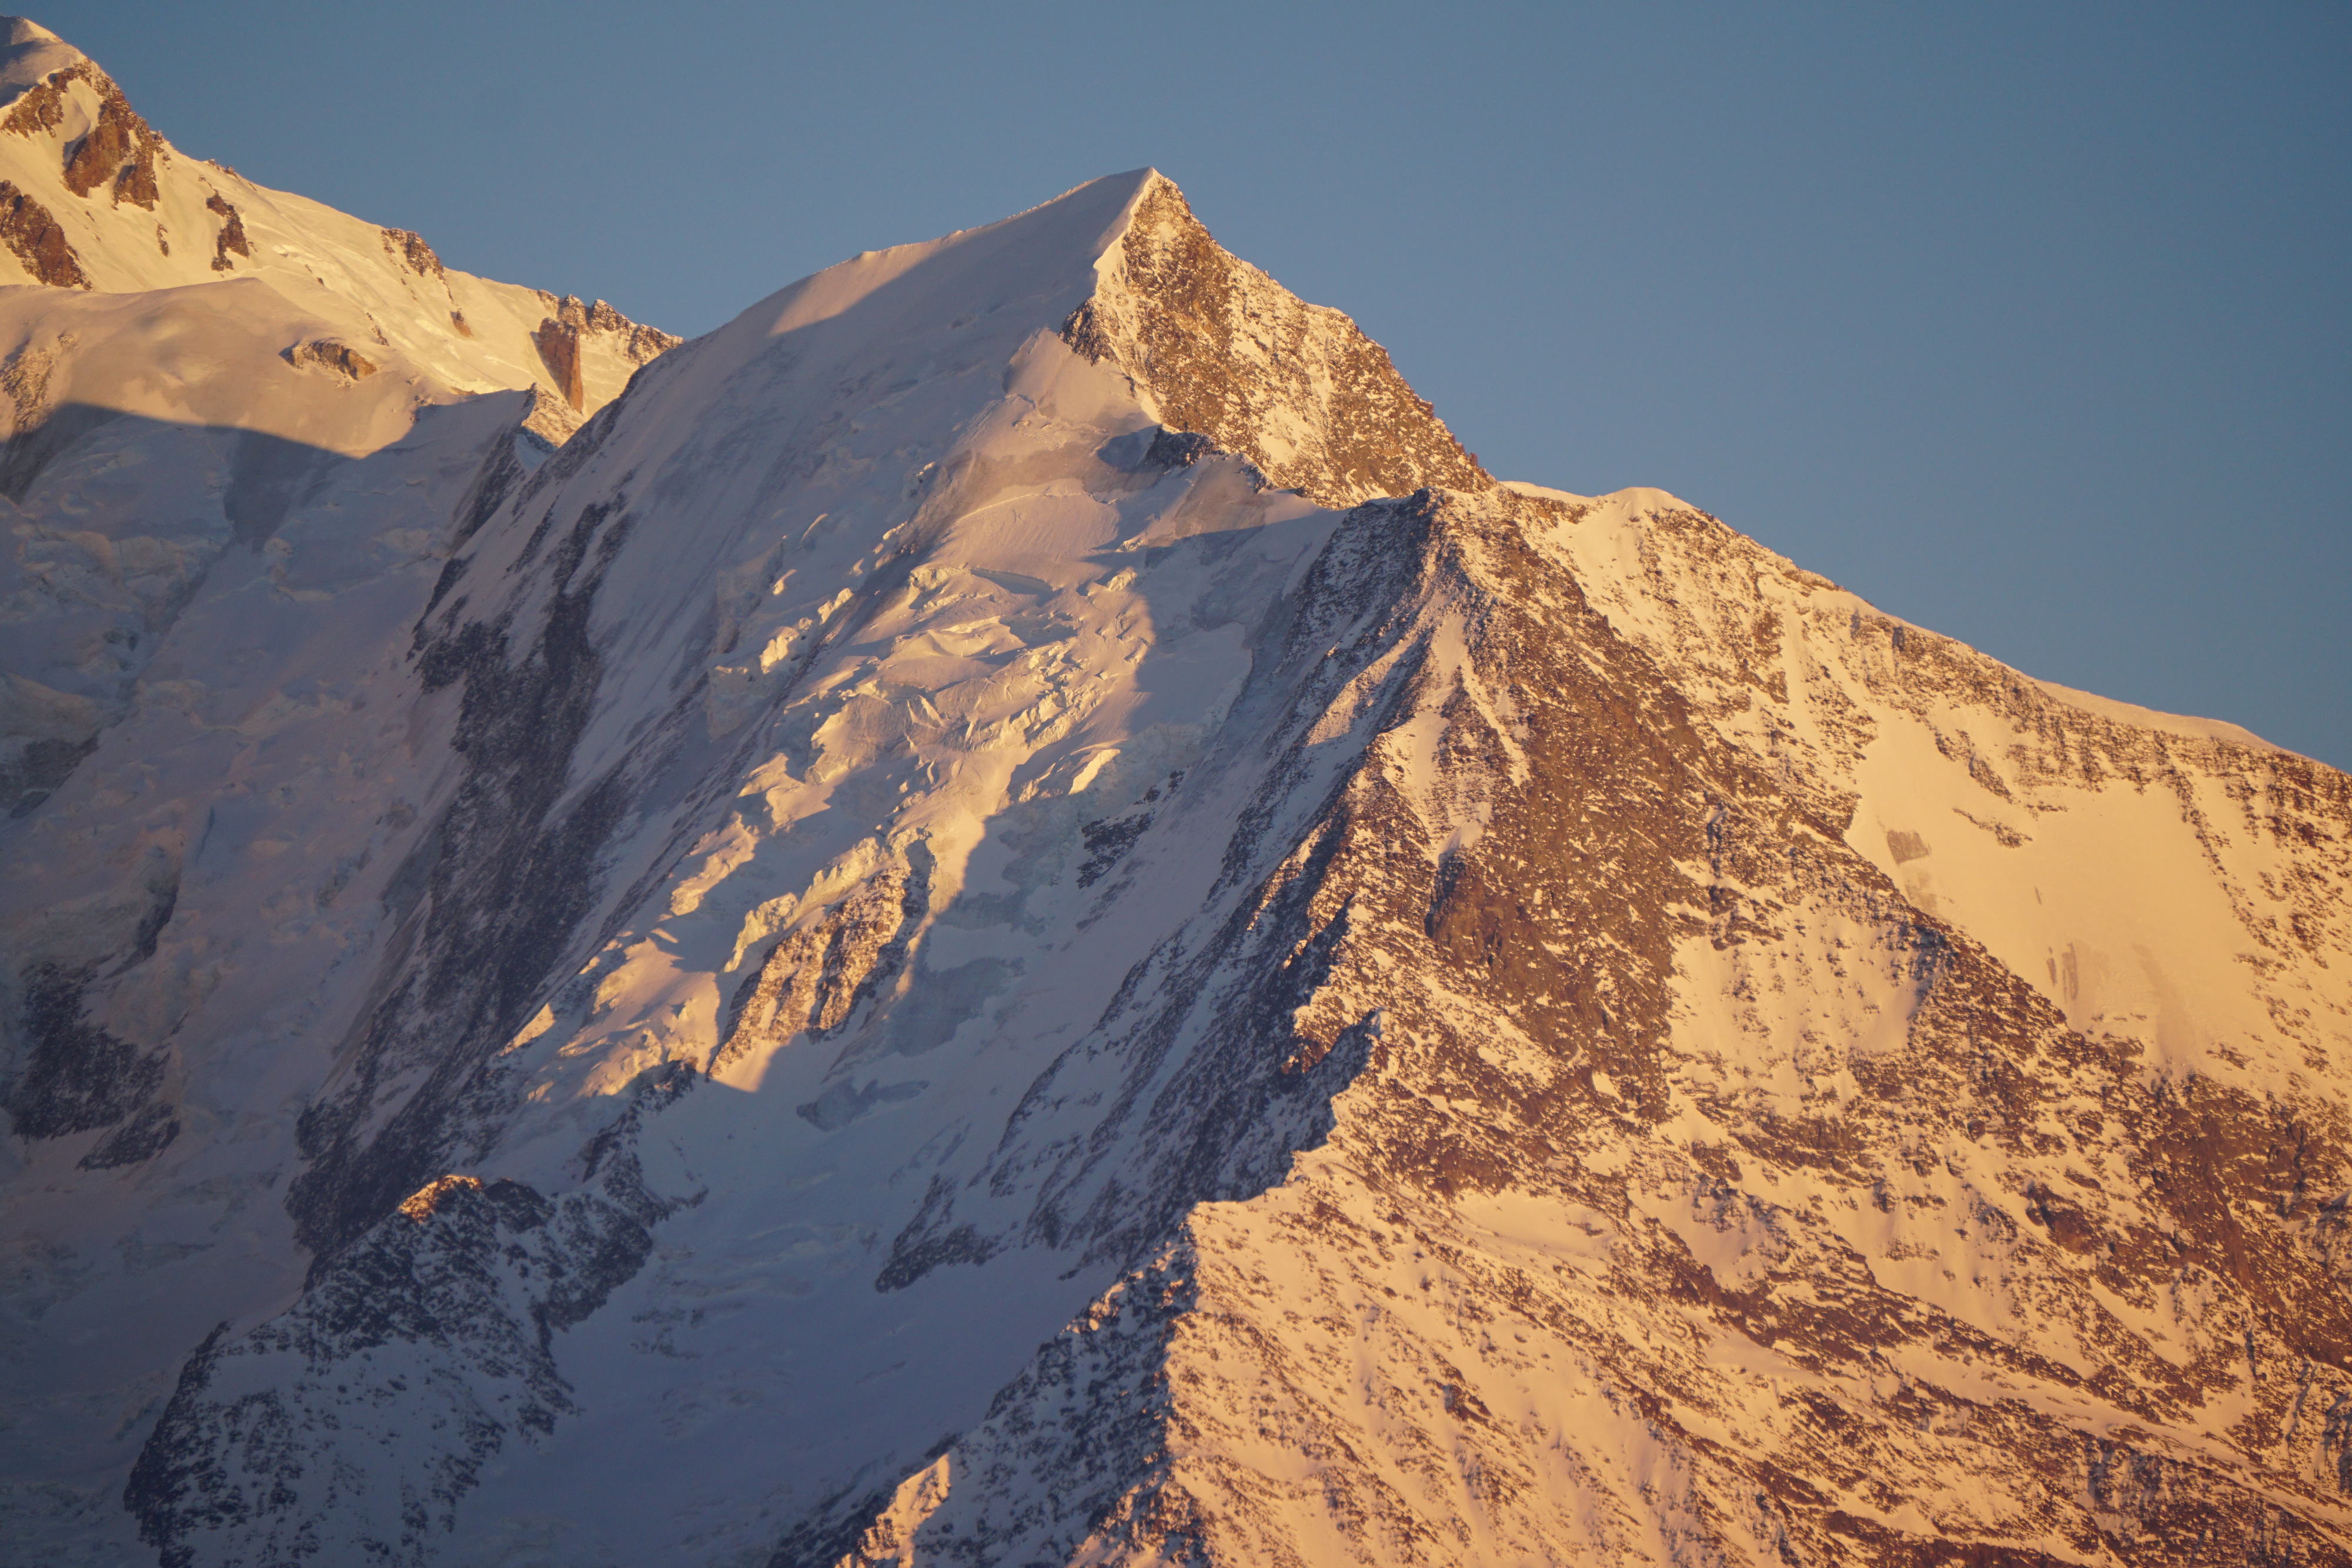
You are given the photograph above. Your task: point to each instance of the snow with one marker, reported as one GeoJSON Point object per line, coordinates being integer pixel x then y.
{"type": "Point", "coordinates": [966, 627]}
{"type": "Point", "coordinates": [2149, 718]}
{"type": "Point", "coordinates": [30, 53]}
{"type": "Point", "coordinates": [906, 649]}
{"type": "Point", "coordinates": [2100, 892]}
{"type": "Point", "coordinates": [349, 276]}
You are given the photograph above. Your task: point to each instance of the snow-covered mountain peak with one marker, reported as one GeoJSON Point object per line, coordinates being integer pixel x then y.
{"type": "Point", "coordinates": [1206, 342]}
{"type": "Point", "coordinates": [1011, 915]}
{"type": "Point", "coordinates": [93, 198]}
{"type": "Point", "coordinates": [1038, 264]}
{"type": "Point", "coordinates": [28, 54]}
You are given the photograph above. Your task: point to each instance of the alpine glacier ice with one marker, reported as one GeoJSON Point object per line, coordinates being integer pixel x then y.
{"type": "Point", "coordinates": [1009, 913]}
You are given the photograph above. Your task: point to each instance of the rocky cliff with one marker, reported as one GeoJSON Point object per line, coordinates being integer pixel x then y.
{"type": "Point", "coordinates": [1011, 914]}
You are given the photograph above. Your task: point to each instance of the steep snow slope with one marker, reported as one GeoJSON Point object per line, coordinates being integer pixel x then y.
{"type": "Point", "coordinates": [92, 197]}
{"type": "Point", "coordinates": [228, 491]}
{"type": "Point", "coordinates": [836, 761]}
{"type": "Point", "coordinates": [1012, 915]}
{"type": "Point", "coordinates": [161, 404]}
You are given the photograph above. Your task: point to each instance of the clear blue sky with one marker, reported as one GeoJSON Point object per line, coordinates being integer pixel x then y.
{"type": "Point", "coordinates": [2028, 323]}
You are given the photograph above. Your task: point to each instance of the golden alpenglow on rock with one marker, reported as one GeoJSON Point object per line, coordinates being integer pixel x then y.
{"type": "Point", "coordinates": [1009, 913]}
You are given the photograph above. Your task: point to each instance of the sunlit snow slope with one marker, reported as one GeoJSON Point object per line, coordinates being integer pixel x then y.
{"type": "Point", "coordinates": [92, 198]}
{"type": "Point", "coordinates": [232, 473]}
{"type": "Point", "coordinates": [1011, 915]}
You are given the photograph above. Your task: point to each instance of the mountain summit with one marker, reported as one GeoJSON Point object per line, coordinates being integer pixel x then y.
{"type": "Point", "coordinates": [93, 198]}
{"type": "Point", "coordinates": [1011, 915]}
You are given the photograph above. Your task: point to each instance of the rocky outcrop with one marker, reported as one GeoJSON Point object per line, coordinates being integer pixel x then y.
{"type": "Point", "coordinates": [42, 107]}
{"type": "Point", "coordinates": [811, 980]}
{"type": "Point", "coordinates": [334, 356]}
{"type": "Point", "coordinates": [413, 253]}
{"type": "Point", "coordinates": [120, 145]}
{"type": "Point", "coordinates": [1219, 348]}
{"type": "Point", "coordinates": [633, 341]}
{"type": "Point", "coordinates": [453, 1303]}
{"type": "Point", "coordinates": [38, 240]}
{"type": "Point", "coordinates": [558, 341]}
{"type": "Point", "coordinates": [560, 337]}
{"type": "Point", "coordinates": [549, 418]}
{"type": "Point", "coordinates": [231, 240]}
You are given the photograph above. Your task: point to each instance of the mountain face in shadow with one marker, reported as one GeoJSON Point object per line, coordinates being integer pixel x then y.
{"type": "Point", "coordinates": [1007, 912]}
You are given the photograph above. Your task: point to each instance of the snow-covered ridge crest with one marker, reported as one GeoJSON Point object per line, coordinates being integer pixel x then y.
{"type": "Point", "coordinates": [1207, 343]}
{"type": "Point", "coordinates": [30, 53]}
{"type": "Point", "coordinates": [92, 197]}
{"type": "Point", "coordinates": [1488, 1025]}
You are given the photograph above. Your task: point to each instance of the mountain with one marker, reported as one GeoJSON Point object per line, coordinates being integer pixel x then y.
{"type": "Point", "coordinates": [1010, 913]}
{"type": "Point", "coordinates": [93, 199]}
{"type": "Point", "coordinates": [236, 343]}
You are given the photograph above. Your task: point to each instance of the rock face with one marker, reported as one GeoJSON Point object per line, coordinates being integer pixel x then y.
{"type": "Point", "coordinates": [410, 248]}
{"type": "Point", "coordinates": [1215, 347]}
{"type": "Point", "coordinates": [330, 355]}
{"type": "Point", "coordinates": [115, 145]}
{"type": "Point", "coordinates": [558, 342]}
{"type": "Point", "coordinates": [577, 333]}
{"type": "Point", "coordinates": [1780, 1184]}
{"type": "Point", "coordinates": [37, 241]}
{"type": "Point", "coordinates": [1012, 915]}
{"type": "Point", "coordinates": [231, 240]}
{"type": "Point", "coordinates": [466, 1293]}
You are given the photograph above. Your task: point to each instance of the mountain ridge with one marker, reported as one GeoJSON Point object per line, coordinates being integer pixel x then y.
{"type": "Point", "coordinates": [101, 201]}
{"type": "Point", "coordinates": [1010, 913]}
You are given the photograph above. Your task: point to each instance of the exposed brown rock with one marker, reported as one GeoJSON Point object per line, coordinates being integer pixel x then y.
{"type": "Point", "coordinates": [1220, 349]}
{"type": "Point", "coordinates": [120, 145]}
{"type": "Point", "coordinates": [42, 106]}
{"type": "Point", "coordinates": [437, 1195]}
{"type": "Point", "coordinates": [457, 324]}
{"type": "Point", "coordinates": [232, 234]}
{"type": "Point", "coordinates": [39, 241]}
{"type": "Point", "coordinates": [135, 183]}
{"type": "Point", "coordinates": [558, 342]}
{"type": "Point", "coordinates": [812, 978]}
{"type": "Point", "coordinates": [551, 418]}
{"type": "Point", "coordinates": [558, 339]}
{"type": "Point", "coordinates": [638, 342]}
{"type": "Point", "coordinates": [24, 377]}
{"type": "Point", "coordinates": [93, 160]}
{"type": "Point", "coordinates": [330, 355]}
{"type": "Point", "coordinates": [402, 246]}
{"type": "Point", "coordinates": [2063, 1218]}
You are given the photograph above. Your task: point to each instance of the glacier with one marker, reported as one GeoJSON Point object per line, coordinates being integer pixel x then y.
{"type": "Point", "coordinates": [1007, 912]}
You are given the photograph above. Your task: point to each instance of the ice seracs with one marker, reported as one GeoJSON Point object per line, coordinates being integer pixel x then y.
{"type": "Point", "coordinates": [1011, 915]}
